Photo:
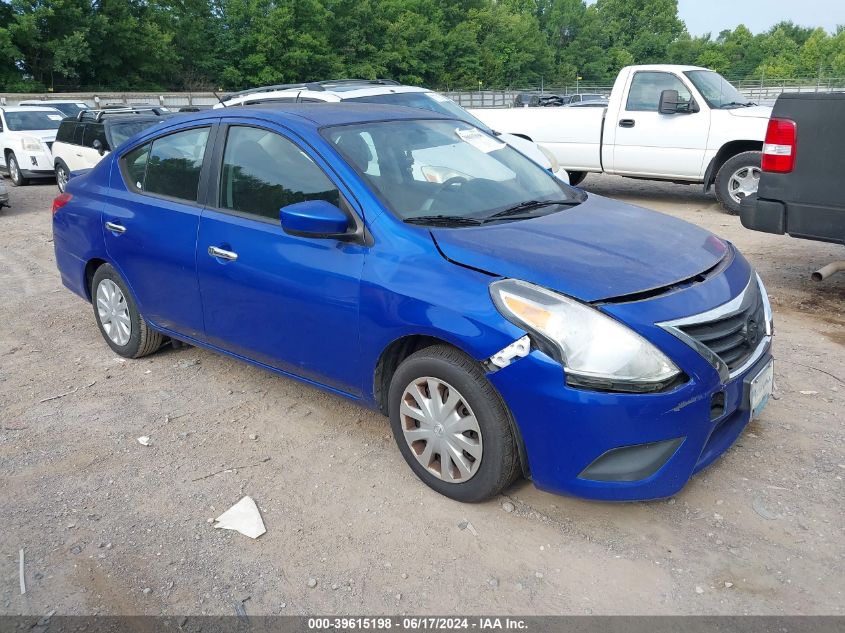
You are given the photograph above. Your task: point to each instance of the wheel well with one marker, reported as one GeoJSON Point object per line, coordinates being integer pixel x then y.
{"type": "Point", "coordinates": [90, 269]}
{"type": "Point", "coordinates": [391, 358]}
{"type": "Point", "coordinates": [725, 153]}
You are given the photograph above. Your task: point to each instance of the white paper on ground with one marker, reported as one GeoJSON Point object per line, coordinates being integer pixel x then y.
{"type": "Point", "coordinates": [242, 517]}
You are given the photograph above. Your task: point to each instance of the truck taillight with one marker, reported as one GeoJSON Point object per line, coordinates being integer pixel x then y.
{"type": "Point", "coordinates": [61, 200]}
{"type": "Point", "coordinates": [779, 148]}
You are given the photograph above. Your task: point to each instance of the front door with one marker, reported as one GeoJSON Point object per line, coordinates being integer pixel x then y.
{"type": "Point", "coordinates": [286, 301]}
{"type": "Point", "coordinates": [643, 142]}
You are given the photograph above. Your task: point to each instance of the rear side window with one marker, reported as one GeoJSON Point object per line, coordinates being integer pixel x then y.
{"type": "Point", "coordinates": [94, 132]}
{"type": "Point", "coordinates": [78, 132]}
{"type": "Point", "coordinates": [66, 131]}
{"type": "Point", "coordinates": [646, 86]}
{"type": "Point", "coordinates": [169, 166]}
{"type": "Point", "coordinates": [263, 172]}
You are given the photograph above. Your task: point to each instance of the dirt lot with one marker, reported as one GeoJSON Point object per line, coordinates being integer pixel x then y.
{"type": "Point", "coordinates": [113, 527]}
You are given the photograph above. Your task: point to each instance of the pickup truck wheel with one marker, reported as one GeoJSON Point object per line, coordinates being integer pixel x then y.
{"type": "Point", "coordinates": [15, 171]}
{"type": "Point", "coordinates": [737, 179]}
{"type": "Point", "coordinates": [451, 425]}
{"type": "Point", "coordinates": [62, 176]}
{"type": "Point", "coordinates": [576, 177]}
{"type": "Point", "coordinates": [120, 322]}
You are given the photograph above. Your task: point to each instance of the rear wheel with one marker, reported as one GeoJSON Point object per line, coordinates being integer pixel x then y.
{"type": "Point", "coordinates": [62, 176]}
{"type": "Point", "coordinates": [737, 179]}
{"type": "Point", "coordinates": [576, 177]}
{"type": "Point", "coordinates": [118, 318]}
{"type": "Point", "coordinates": [451, 426]}
{"type": "Point", "coordinates": [15, 171]}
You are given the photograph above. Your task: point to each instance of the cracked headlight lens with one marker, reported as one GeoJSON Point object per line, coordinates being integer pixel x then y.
{"type": "Point", "coordinates": [596, 351]}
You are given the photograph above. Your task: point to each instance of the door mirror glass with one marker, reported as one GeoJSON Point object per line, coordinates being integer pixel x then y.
{"type": "Point", "coordinates": [671, 103]}
{"type": "Point", "coordinates": [314, 218]}
{"type": "Point", "coordinates": [97, 145]}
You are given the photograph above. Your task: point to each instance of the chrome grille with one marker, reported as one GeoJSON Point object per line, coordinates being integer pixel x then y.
{"type": "Point", "coordinates": [732, 336]}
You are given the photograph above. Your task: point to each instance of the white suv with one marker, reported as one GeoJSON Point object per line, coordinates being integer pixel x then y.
{"type": "Point", "coordinates": [26, 140]}
{"type": "Point", "coordinates": [386, 92]}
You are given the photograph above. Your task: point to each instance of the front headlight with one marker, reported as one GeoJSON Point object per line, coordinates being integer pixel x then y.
{"type": "Point", "coordinates": [597, 352]}
{"type": "Point", "coordinates": [31, 144]}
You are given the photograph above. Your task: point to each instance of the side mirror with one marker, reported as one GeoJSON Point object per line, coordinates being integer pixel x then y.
{"type": "Point", "coordinates": [97, 145]}
{"type": "Point", "coordinates": [671, 103]}
{"type": "Point", "coordinates": [315, 218]}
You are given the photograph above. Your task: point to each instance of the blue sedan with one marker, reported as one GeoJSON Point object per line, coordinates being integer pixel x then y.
{"type": "Point", "coordinates": [506, 323]}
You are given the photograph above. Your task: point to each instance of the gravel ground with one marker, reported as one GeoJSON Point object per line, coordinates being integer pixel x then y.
{"type": "Point", "coordinates": [113, 527]}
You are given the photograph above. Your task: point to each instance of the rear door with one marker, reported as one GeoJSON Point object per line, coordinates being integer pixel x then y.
{"type": "Point", "coordinates": [151, 220]}
{"type": "Point", "coordinates": [286, 301]}
{"type": "Point", "coordinates": [640, 141]}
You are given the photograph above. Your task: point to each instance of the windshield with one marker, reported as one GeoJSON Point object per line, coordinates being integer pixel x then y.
{"type": "Point", "coordinates": [34, 120]}
{"type": "Point", "coordinates": [424, 101]}
{"type": "Point", "coordinates": [445, 170]}
{"type": "Point", "coordinates": [119, 132]}
{"type": "Point", "coordinates": [69, 109]}
{"type": "Point", "coordinates": [716, 90]}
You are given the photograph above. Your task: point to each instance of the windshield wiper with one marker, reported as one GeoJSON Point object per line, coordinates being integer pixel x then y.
{"type": "Point", "coordinates": [444, 220]}
{"type": "Point", "coordinates": [528, 205]}
{"type": "Point", "coordinates": [737, 104]}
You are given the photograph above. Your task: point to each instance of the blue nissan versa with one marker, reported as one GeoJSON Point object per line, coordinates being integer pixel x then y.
{"type": "Point", "coordinates": [505, 322]}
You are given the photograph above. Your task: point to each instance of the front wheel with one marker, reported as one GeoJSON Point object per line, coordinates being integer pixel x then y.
{"type": "Point", "coordinates": [737, 179]}
{"type": "Point", "coordinates": [62, 176]}
{"type": "Point", "coordinates": [118, 318]}
{"type": "Point", "coordinates": [451, 425]}
{"type": "Point", "coordinates": [15, 171]}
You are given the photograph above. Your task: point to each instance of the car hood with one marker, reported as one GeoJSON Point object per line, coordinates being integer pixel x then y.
{"type": "Point", "coordinates": [752, 112]}
{"type": "Point", "coordinates": [600, 249]}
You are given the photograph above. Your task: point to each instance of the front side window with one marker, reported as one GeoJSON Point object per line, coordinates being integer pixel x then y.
{"type": "Point", "coordinates": [445, 168]}
{"type": "Point", "coordinates": [66, 132]}
{"type": "Point", "coordinates": [34, 120]}
{"type": "Point", "coordinates": [646, 86]}
{"type": "Point", "coordinates": [94, 132]}
{"type": "Point", "coordinates": [263, 172]}
{"type": "Point", "coordinates": [168, 166]}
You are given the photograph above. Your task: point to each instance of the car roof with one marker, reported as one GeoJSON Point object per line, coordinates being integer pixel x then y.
{"type": "Point", "coordinates": [340, 91]}
{"type": "Point", "coordinates": [26, 109]}
{"type": "Point", "coordinates": [321, 114]}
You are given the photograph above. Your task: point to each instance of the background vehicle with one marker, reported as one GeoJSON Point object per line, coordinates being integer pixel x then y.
{"type": "Point", "coordinates": [539, 100]}
{"type": "Point", "coordinates": [4, 196]}
{"type": "Point", "coordinates": [26, 138]}
{"type": "Point", "coordinates": [663, 122]}
{"type": "Point", "coordinates": [387, 92]}
{"type": "Point", "coordinates": [83, 140]}
{"type": "Point", "coordinates": [68, 108]}
{"type": "Point", "coordinates": [585, 97]}
{"type": "Point", "coordinates": [311, 241]}
{"type": "Point", "coordinates": [800, 191]}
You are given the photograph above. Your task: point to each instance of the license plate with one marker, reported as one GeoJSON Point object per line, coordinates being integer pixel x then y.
{"type": "Point", "coordinates": [761, 388]}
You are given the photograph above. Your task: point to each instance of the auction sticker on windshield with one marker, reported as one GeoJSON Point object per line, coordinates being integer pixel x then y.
{"type": "Point", "coordinates": [761, 389]}
{"type": "Point", "coordinates": [479, 140]}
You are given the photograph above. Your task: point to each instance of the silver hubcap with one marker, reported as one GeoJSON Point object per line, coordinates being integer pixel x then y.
{"type": "Point", "coordinates": [113, 312]}
{"type": "Point", "coordinates": [61, 178]}
{"type": "Point", "coordinates": [441, 429]}
{"type": "Point", "coordinates": [744, 182]}
{"type": "Point", "coordinates": [14, 172]}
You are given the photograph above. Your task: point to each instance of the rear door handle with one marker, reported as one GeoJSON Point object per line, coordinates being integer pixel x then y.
{"type": "Point", "coordinates": [627, 123]}
{"type": "Point", "coordinates": [222, 254]}
{"type": "Point", "coordinates": [116, 228]}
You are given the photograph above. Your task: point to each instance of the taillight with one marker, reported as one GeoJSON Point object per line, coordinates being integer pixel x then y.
{"type": "Point", "coordinates": [61, 200]}
{"type": "Point", "coordinates": [780, 146]}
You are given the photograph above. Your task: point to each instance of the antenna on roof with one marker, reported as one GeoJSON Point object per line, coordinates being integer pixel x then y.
{"type": "Point", "coordinates": [219, 99]}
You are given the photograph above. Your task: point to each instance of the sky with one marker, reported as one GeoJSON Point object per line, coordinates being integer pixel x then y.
{"type": "Point", "coordinates": [702, 16]}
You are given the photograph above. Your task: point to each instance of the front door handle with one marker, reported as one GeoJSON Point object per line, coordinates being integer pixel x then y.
{"type": "Point", "coordinates": [116, 228]}
{"type": "Point", "coordinates": [222, 254]}
{"type": "Point", "coordinates": [627, 123]}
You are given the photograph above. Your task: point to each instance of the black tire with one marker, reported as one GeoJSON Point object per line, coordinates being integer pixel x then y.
{"type": "Point", "coordinates": [15, 174]}
{"type": "Point", "coordinates": [62, 176]}
{"type": "Point", "coordinates": [499, 465]}
{"type": "Point", "coordinates": [576, 177]}
{"type": "Point", "coordinates": [731, 166]}
{"type": "Point", "coordinates": [143, 340]}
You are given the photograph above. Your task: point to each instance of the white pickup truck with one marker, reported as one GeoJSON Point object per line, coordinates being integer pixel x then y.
{"type": "Point", "coordinates": [663, 122]}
